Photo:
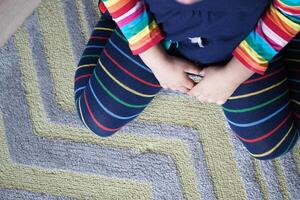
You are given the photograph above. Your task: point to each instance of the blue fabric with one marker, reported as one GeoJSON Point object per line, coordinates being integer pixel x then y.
{"type": "Point", "coordinates": [222, 24]}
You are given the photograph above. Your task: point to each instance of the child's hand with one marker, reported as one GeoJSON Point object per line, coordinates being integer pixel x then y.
{"type": "Point", "coordinates": [220, 82]}
{"type": "Point", "coordinates": [172, 74]}
{"type": "Point", "coordinates": [170, 71]}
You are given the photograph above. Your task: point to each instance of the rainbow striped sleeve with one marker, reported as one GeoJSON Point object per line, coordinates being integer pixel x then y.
{"type": "Point", "coordinates": [274, 30]}
{"type": "Point", "coordinates": [135, 22]}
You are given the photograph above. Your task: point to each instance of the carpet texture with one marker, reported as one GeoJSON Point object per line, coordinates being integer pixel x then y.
{"type": "Point", "coordinates": [178, 148]}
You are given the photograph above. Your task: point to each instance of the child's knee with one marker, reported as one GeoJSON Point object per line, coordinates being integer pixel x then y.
{"type": "Point", "coordinates": [96, 127]}
{"type": "Point", "coordinates": [272, 151]}
{"type": "Point", "coordinates": [91, 122]}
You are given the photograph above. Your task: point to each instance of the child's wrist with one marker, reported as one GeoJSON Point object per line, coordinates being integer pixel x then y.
{"type": "Point", "coordinates": [237, 71]}
{"type": "Point", "coordinates": [155, 56]}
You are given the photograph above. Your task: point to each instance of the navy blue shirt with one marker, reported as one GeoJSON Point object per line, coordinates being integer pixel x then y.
{"type": "Point", "coordinates": [221, 25]}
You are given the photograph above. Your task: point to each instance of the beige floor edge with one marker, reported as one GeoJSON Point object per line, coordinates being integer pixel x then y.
{"type": "Point", "coordinates": [12, 14]}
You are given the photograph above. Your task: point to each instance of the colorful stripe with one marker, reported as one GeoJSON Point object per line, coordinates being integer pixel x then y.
{"type": "Point", "coordinates": [259, 91]}
{"type": "Point", "coordinates": [281, 70]}
{"type": "Point", "coordinates": [257, 106]}
{"type": "Point", "coordinates": [277, 145]}
{"type": "Point", "coordinates": [128, 57]}
{"type": "Point", "coordinates": [128, 72]}
{"type": "Point", "coordinates": [80, 113]}
{"type": "Point", "coordinates": [115, 97]}
{"type": "Point", "coordinates": [273, 31]}
{"type": "Point", "coordinates": [94, 118]}
{"type": "Point", "coordinates": [136, 24]}
{"type": "Point", "coordinates": [260, 121]}
{"type": "Point", "coordinates": [82, 76]}
{"type": "Point", "coordinates": [123, 85]}
{"type": "Point", "coordinates": [265, 136]}
{"type": "Point", "coordinates": [106, 109]}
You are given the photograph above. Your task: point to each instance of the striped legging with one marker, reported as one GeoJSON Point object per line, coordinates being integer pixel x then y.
{"type": "Point", "coordinates": [112, 87]}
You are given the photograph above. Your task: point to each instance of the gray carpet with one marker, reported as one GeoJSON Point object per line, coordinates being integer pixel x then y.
{"type": "Point", "coordinates": [178, 148]}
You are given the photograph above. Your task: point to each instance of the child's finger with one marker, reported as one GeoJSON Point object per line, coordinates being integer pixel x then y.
{"type": "Point", "coordinates": [188, 83]}
{"type": "Point", "coordinates": [194, 91]}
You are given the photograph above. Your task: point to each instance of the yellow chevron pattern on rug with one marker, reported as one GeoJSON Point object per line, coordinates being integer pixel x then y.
{"type": "Point", "coordinates": [176, 149]}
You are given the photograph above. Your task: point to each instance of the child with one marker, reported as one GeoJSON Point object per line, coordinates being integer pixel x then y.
{"type": "Point", "coordinates": [124, 65]}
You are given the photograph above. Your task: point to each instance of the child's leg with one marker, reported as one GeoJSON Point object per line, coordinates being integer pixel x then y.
{"type": "Point", "coordinates": [114, 89]}
{"type": "Point", "coordinates": [291, 54]}
{"type": "Point", "coordinates": [260, 113]}
{"type": "Point", "coordinates": [99, 37]}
